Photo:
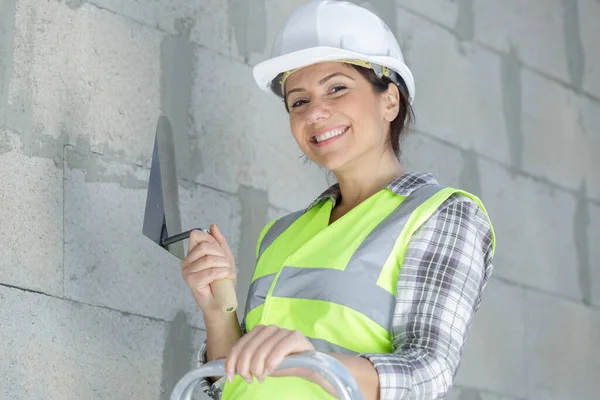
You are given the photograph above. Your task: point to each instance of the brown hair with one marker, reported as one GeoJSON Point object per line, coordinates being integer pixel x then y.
{"type": "Point", "coordinates": [406, 115]}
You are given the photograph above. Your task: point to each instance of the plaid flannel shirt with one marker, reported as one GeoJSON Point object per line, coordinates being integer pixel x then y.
{"type": "Point", "coordinates": [446, 267]}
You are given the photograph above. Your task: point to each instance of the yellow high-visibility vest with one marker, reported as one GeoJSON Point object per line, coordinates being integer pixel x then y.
{"type": "Point", "coordinates": [334, 283]}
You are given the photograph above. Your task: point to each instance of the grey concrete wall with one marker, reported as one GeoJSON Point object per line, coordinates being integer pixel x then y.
{"type": "Point", "coordinates": [508, 107]}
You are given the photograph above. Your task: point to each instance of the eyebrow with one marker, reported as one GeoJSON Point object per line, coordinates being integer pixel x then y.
{"type": "Point", "coordinates": [322, 81]}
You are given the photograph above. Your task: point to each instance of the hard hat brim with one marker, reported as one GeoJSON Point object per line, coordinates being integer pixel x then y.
{"type": "Point", "coordinates": [266, 71]}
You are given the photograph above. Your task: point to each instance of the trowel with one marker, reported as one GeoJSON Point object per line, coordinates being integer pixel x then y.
{"type": "Point", "coordinates": [162, 218]}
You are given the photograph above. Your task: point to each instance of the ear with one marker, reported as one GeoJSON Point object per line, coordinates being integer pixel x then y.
{"type": "Point", "coordinates": [391, 102]}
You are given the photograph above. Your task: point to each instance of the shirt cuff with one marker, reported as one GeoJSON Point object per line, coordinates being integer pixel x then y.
{"type": "Point", "coordinates": [392, 375]}
{"type": "Point", "coordinates": [215, 389]}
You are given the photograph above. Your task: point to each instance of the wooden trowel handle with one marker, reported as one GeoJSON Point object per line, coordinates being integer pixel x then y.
{"type": "Point", "coordinates": [224, 293]}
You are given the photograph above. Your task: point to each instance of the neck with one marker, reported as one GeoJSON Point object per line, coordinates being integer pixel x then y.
{"type": "Point", "coordinates": [361, 180]}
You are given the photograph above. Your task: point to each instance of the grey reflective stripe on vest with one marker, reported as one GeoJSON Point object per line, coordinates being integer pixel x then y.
{"type": "Point", "coordinates": [340, 287]}
{"type": "Point", "coordinates": [378, 245]}
{"type": "Point", "coordinates": [325, 346]}
{"type": "Point", "coordinates": [277, 229]}
{"type": "Point", "coordinates": [258, 291]}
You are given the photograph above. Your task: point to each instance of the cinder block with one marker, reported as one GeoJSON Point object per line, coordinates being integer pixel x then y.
{"type": "Point", "coordinates": [212, 26]}
{"type": "Point", "coordinates": [203, 22]}
{"type": "Point", "coordinates": [56, 349]}
{"type": "Point", "coordinates": [167, 16]}
{"type": "Point", "coordinates": [466, 393]}
{"type": "Point", "coordinates": [7, 19]}
{"type": "Point", "coordinates": [593, 261]}
{"type": "Point", "coordinates": [31, 207]}
{"type": "Point", "coordinates": [453, 166]}
{"type": "Point", "coordinates": [534, 228]}
{"type": "Point", "coordinates": [462, 102]}
{"type": "Point", "coordinates": [493, 396]}
{"type": "Point", "coordinates": [589, 14]}
{"type": "Point", "coordinates": [533, 28]}
{"type": "Point", "coordinates": [86, 73]}
{"type": "Point", "coordinates": [242, 30]}
{"type": "Point", "coordinates": [425, 153]}
{"type": "Point", "coordinates": [202, 206]}
{"type": "Point", "coordinates": [563, 357]}
{"type": "Point", "coordinates": [275, 212]}
{"type": "Point", "coordinates": [253, 26]}
{"type": "Point", "coordinates": [559, 137]}
{"type": "Point", "coordinates": [442, 11]}
{"type": "Point", "coordinates": [244, 136]}
{"type": "Point", "coordinates": [108, 262]}
{"type": "Point", "coordinates": [589, 121]}
{"type": "Point", "coordinates": [493, 358]}
{"type": "Point", "coordinates": [454, 393]}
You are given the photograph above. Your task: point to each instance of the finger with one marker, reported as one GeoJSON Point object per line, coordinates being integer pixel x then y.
{"type": "Point", "coordinates": [253, 348]}
{"type": "Point", "coordinates": [198, 236]}
{"type": "Point", "coordinates": [242, 353]}
{"type": "Point", "coordinates": [220, 238]}
{"type": "Point", "coordinates": [293, 342]}
{"type": "Point", "coordinates": [200, 280]}
{"type": "Point", "coordinates": [232, 356]}
{"type": "Point", "coordinates": [257, 366]}
{"type": "Point", "coordinates": [205, 262]}
{"type": "Point", "coordinates": [204, 249]}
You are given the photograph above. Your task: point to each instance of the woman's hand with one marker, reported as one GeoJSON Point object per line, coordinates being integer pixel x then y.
{"type": "Point", "coordinates": [209, 259]}
{"type": "Point", "coordinates": [260, 351]}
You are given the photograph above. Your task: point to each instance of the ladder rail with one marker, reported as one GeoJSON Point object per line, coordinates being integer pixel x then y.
{"type": "Point", "coordinates": [325, 365]}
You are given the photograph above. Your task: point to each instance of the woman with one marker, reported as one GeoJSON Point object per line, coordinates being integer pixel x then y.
{"type": "Point", "coordinates": [385, 270]}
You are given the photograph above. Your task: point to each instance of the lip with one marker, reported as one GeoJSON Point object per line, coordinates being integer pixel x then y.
{"type": "Point", "coordinates": [330, 140]}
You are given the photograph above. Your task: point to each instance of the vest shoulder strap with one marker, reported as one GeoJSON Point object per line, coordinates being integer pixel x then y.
{"type": "Point", "coordinates": [433, 197]}
{"type": "Point", "coordinates": [273, 229]}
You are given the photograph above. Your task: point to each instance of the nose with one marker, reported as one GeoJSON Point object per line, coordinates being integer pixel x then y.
{"type": "Point", "coordinates": [317, 112]}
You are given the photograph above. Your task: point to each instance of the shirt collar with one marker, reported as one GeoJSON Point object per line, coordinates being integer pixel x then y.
{"type": "Point", "coordinates": [402, 186]}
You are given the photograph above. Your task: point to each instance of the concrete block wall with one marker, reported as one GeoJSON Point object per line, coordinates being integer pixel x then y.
{"type": "Point", "coordinates": [508, 107]}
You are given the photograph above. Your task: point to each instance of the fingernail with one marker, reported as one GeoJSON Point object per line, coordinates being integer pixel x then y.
{"type": "Point", "coordinates": [230, 378]}
{"type": "Point", "coordinates": [249, 380]}
{"type": "Point", "coordinates": [260, 379]}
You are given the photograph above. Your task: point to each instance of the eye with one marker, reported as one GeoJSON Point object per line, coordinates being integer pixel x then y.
{"type": "Point", "coordinates": [299, 103]}
{"type": "Point", "coordinates": [337, 89]}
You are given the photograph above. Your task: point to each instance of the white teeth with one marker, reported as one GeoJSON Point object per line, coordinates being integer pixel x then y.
{"type": "Point", "coordinates": [330, 134]}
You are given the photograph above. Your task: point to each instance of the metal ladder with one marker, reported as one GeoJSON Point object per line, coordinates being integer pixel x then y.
{"type": "Point", "coordinates": [330, 368]}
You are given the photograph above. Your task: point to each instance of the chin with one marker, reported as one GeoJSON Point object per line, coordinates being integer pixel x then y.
{"type": "Point", "coordinates": [331, 162]}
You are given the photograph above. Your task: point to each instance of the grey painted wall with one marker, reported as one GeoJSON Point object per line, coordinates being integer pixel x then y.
{"type": "Point", "coordinates": [508, 107]}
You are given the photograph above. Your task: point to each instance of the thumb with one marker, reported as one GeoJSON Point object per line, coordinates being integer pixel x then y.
{"type": "Point", "coordinates": [216, 233]}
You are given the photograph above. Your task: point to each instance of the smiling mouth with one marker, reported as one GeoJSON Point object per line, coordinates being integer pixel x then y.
{"type": "Point", "coordinates": [329, 135]}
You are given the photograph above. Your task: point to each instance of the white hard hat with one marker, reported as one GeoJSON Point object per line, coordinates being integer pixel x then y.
{"type": "Point", "coordinates": [331, 30]}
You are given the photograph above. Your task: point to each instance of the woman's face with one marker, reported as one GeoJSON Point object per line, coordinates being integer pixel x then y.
{"type": "Point", "coordinates": [336, 117]}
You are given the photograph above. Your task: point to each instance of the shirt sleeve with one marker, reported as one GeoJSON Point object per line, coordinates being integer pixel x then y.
{"type": "Point", "coordinates": [213, 390]}
{"type": "Point", "coordinates": [445, 270]}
